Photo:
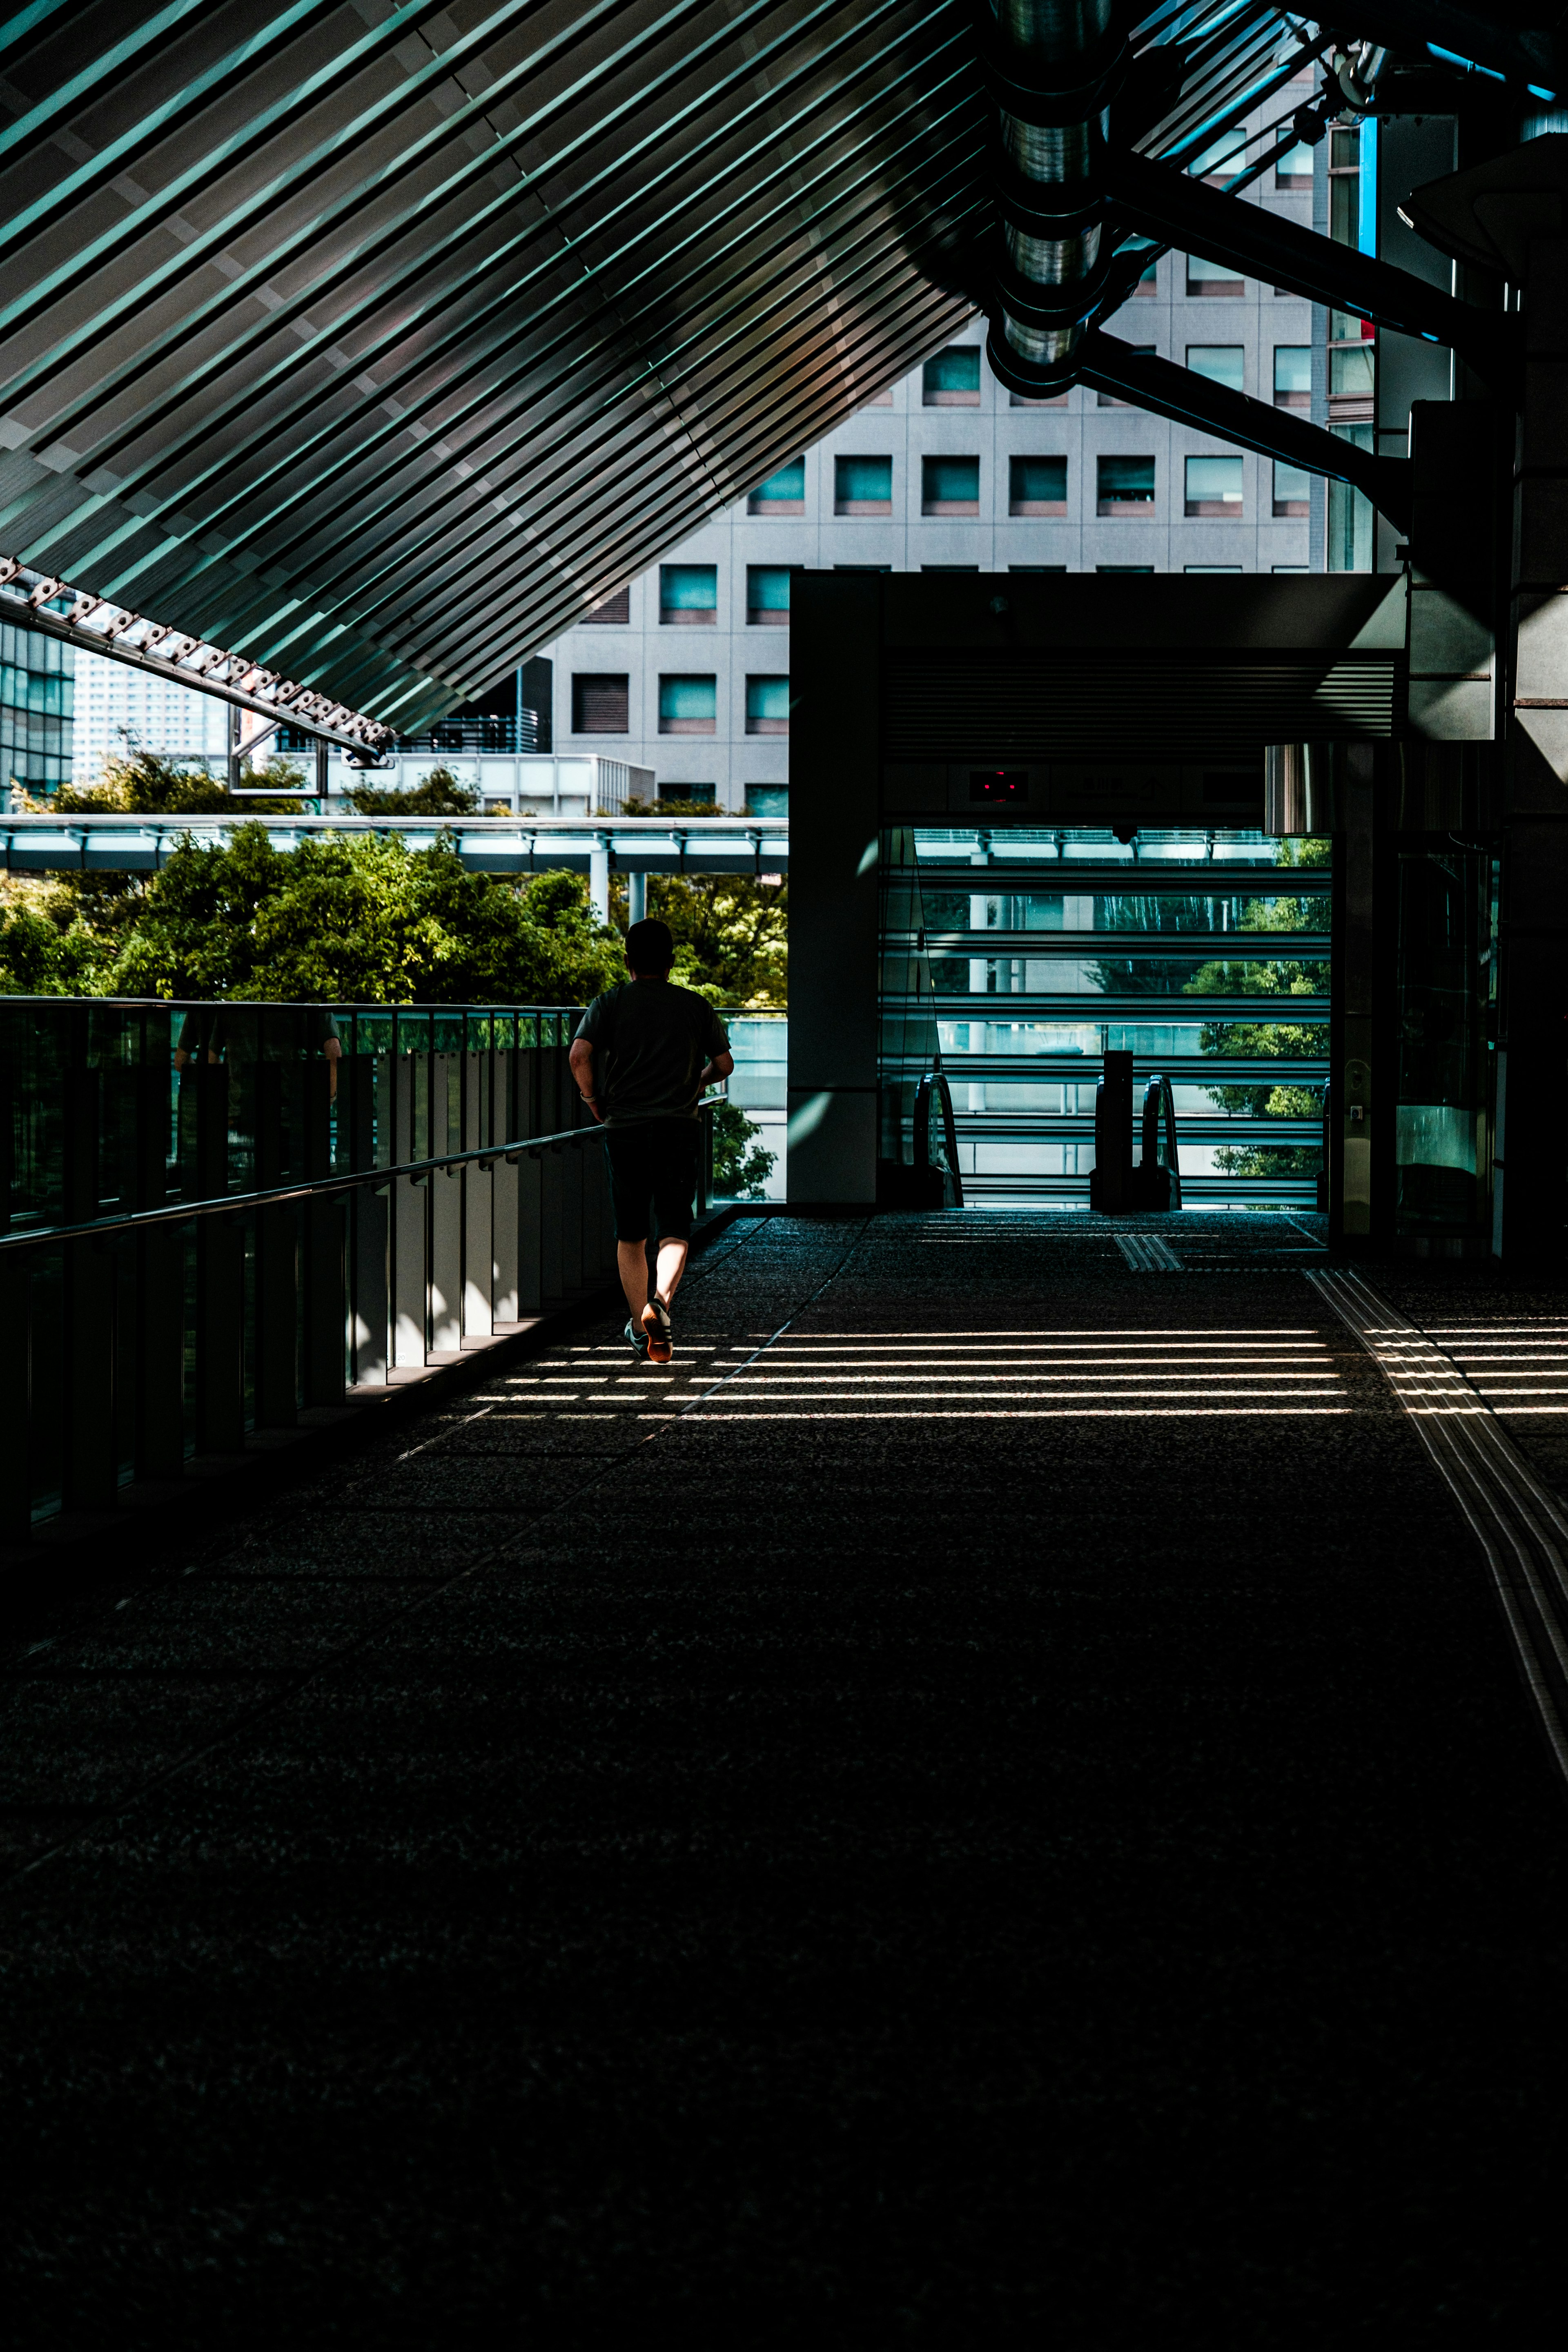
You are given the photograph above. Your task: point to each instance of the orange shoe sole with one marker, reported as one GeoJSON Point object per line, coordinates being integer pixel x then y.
{"type": "Point", "coordinates": [658, 1342]}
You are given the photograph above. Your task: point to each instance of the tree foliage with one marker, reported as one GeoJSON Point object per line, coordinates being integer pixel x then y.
{"type": "Point", "coordinates": [339, 920]}
{"type": "Point", "coordinates": [731, 938]}
{"type": "Point", "coordinates": [437, 794]}
{"type": "Point", "coordinates": [740, 1165]}
{"type": "Point", "coordinates": [1282, 976]}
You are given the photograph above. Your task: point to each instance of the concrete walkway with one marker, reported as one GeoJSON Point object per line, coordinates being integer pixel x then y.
{"type": "Point", "coordinates": [1001, 1809]}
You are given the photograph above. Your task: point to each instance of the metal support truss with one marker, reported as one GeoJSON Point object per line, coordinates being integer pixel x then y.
{"type": "Point", "coordinates": [1158, 201]}
{"type": "Point", "coordinates": [93, 626]}
{"type": "Point", "coordinates": [1107, 364]}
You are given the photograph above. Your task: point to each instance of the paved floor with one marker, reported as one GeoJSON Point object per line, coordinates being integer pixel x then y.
{"type": "Point", "coordinates": [1004, 1811]}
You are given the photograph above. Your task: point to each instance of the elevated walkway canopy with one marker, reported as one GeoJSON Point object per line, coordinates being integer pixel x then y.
{"type": "Point", "coordinates": [380, 342]}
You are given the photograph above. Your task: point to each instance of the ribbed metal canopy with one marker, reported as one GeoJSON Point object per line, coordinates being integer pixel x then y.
{"type": "Point", "coordinates": [380, 340]}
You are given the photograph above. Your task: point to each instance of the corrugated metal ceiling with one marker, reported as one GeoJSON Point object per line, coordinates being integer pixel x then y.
{"type": "Point", "coordinates": [380, 340]}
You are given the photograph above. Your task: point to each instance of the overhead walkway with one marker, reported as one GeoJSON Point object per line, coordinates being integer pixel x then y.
{"type": "Point", "coordinates": [488, 844]}
{"type": "Point", "coordinates": [993, 1795]}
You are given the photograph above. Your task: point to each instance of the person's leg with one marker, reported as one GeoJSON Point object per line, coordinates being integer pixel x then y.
{"type": "Point", "coordinates": [673, 1256]}
{"type": "Point", "coordinates": [631, 1189]}
{"type": "Point", "coordinates": [674, 1170]}
{"type": "Point", "coordinates": [632, 1259]}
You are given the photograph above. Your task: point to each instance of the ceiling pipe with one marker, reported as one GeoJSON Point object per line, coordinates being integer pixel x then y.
{"type": "Point", "coordinates": [1053, 67]}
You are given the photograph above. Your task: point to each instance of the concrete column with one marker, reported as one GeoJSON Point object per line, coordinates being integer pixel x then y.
{"type": "Point", "coordinates": [834, 741]}
{"type": "Point", "coordinates": [599, 876]}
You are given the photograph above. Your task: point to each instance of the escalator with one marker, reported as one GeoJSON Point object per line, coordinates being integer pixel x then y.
{"type": "Point", "coordinates": [1015, 960]}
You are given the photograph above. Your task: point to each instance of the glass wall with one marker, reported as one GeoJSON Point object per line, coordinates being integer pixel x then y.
{"type": "Point", "coordinates": [1446, 1025]}
{"type": "Point", "coordinates": [36, 687]}
{"type": "Point", "coordinates": [1021, 956]}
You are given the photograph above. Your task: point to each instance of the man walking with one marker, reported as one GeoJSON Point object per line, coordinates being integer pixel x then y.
{"type": "Point", "coordinates": [642, 1055]}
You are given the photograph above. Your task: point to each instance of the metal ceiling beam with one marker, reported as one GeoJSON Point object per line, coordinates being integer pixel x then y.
{"type": "Point", "coordinates": [1160, 201]}
{"type": "Point", "coordinates": [92, 626]}
{"type": "Point", "coordinates": [1107, 364]}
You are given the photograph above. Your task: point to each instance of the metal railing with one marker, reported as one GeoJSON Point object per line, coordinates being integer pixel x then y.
{"type": "Point", "coordinates": [216, 1217]}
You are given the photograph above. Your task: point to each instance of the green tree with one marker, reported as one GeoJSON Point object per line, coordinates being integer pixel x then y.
{"type": "Point", "coordinates": [437, 794]}
{"type": "Point", "coordinates": [740, 1165]}
{"type": "Point", "coordinates": [731, 938]}
{"type": "Point", "coordinates": [143, 783]}
{"type": "Point", "coordinates": [359, 920]}
{"type": "Point", "coordinates": [1255, 1040]}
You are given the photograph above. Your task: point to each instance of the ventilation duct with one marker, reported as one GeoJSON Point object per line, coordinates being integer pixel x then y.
{"type": "Point", "coordinates": [1053, 67]}
{"type": "Point", "coordinates": [1298, 795]}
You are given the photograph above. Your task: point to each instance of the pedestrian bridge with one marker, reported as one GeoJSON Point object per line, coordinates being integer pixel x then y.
{"type": "Point", "coordinates": [655, 1842]}
{"type": "Point", "coordinates": [489, 844]}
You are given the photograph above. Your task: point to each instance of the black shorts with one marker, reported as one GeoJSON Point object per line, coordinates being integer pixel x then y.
{"type": "Point", "coordinates": [653, 1166]}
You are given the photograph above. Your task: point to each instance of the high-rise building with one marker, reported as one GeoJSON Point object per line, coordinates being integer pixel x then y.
{"type": "Point", "coordinates": [35, 694]}
{"type": "Point", "coordinates": [116, 703]}
{"type": "Point", "coordinates": [686, 670]}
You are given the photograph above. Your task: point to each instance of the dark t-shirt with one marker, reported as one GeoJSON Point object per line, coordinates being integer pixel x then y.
{"type": "Point", "coordinates": [651, 1043]}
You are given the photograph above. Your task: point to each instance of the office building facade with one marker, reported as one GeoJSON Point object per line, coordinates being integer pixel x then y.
{"type": "Point", "coordinates": [36, 697]}
{"type": "Point", "coordinates": [118, 706]}
{"type": "Point", "coordinates": [686, 671]}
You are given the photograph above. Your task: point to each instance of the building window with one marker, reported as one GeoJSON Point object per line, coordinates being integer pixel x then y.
{"type": "Point", "coordinates": [1214, 485]}
{"type": "Point", "coordinates": [950, 485]}
{"type": "Point", "coordinates": [953, 379]}
{"type": "Point", "coordinates": [1292, 490]}
{"type": "Point", "coordinates": [1292, 567]}
{"type": "Point", "coordinates": [1140, 570]}
{"type": "Point", "coordinates": [767, 800]}
{"type": "Point", "coordinates": [1211, 567]}
{"type": "Point", "coordinates": [1037, 486]}
{"type": "Point", "coordinates": [783, 493]}
{"type": "Point", "coordinates": [1351, 358]}
{"type": "Point", "coordinates": [1124, 486]}
{"type": "Point", "coordinates": [688, 797]}
{"type": "Point", "coordinates": [1293, 375]}
{"type": "Point", "coordinates": [767, 705]}
{"type": "Point", "coordinates": [687, 596]}
{"type": "Point", "coordinates": [1294, 170]}
{"type": "Point", "coordinates": [1220, 161]}
{"type": "Point", "coordinates": [1037, 567]}
{"type": "Point", "coordinates": [863, 485]}
{"type": "Point", "coordinates": [1220, 363]}
{"type": "Point", "coordinates": [613, 611]}
{"type": "Point", "coordinates": [1021, 400]}
{"type": "Point", "coordinates": [1214, 280]}
{"type": "Point", "coordinates": [949, 567]}
{"type": "Point", "coordinates": [687, 705]}
{"type": "Point", "coordinates": [1108, 399]}
{"type": "Point", "coordinates": [599, 703]}
{"type": "Point", "coordinates": [862, 567]}
{"type": "Point", "coordinates": [767, 595]}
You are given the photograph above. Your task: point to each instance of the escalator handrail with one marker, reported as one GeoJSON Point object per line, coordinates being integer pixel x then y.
{"type": "Point", "coordinates": [934, 1082]}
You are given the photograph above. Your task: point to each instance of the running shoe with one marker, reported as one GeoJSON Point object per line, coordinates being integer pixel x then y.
{"type": "Point", "coordinates": [637, 1342]}
{"type": "Point", "coordinates": [656, 1324]}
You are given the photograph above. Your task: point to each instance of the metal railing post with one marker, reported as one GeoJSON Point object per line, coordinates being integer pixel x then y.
{"type": "Point", "coordinates": [367, 1339]}
{"type": "Point", "coordinates": [90, 1301]}
{"type": "Point", "coordinates": [325, 1223]}
{"type": "Point", "coordinates": [277, 1340]}
{"type": "Point", "coordinates": [160, 1292]}
{"type": "Point", "coordinates": [220, 1272]}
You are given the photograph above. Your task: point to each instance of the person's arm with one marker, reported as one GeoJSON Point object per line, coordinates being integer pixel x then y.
{"type": "Point", "coordinates": [582, 1060]}
{"type": "Point", "coordinates": [720, 1061]}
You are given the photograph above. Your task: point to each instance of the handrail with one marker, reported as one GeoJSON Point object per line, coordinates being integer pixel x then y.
{"type": "Point", "coordinates": [936, 1082]}
{"type": "Point", "coordinates": [176, 1213]}
{"type": "Point", "coordinates": [1159, 1125]}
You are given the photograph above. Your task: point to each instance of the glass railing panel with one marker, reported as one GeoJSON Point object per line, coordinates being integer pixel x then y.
{"type": "Point", "coordinates": [1132, 975]}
